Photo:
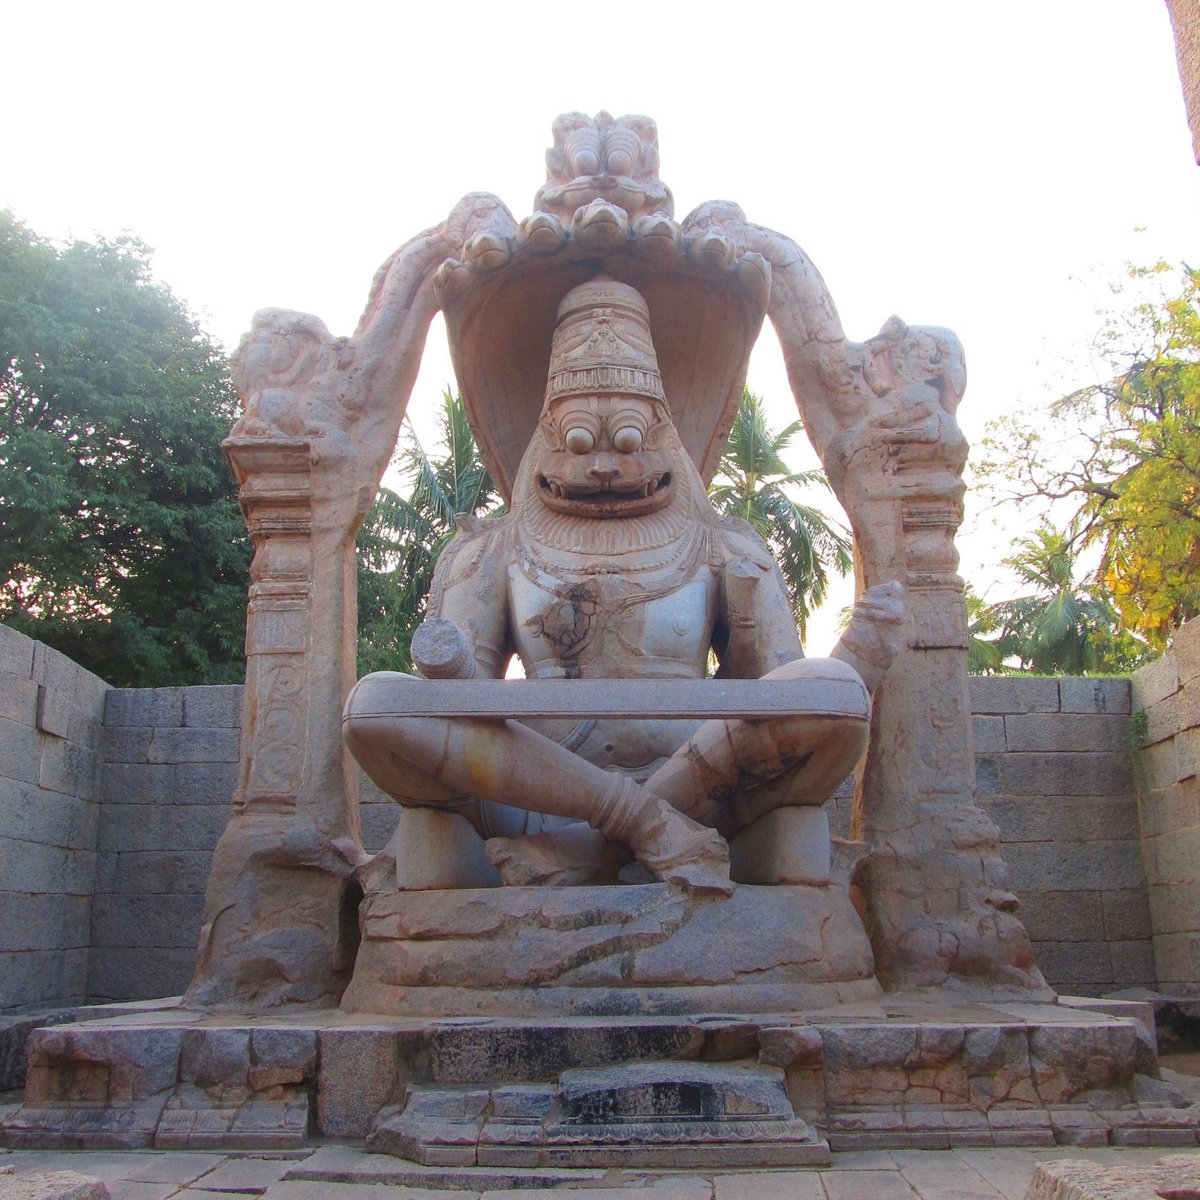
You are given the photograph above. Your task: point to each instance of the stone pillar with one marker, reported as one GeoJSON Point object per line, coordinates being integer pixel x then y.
{"type": "Point", "coordinates": [284, 927]}
{"type": "Point", "coordinates": [933, 879]}
{"type": "Point", "coordinates": [322, 415]}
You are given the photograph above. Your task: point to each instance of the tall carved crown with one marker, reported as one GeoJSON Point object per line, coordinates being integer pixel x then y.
{"type": "Point", "coordinates": [602, 345]}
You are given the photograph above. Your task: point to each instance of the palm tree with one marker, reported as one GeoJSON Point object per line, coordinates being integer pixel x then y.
{"type": "Point", "coordinates": [984, 656]}
{"type": "Point", "coordinates": [402, 536]}
{"type": "Point", "coordinates": [1059, 627]}
{"type": "Point", "coordinates": [755, 483]}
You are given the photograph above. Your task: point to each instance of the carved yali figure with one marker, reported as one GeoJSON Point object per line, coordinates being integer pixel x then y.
{"type": "Point", "coordinates": [612, 564]}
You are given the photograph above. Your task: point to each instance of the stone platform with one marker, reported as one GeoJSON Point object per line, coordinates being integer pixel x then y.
{"type": "Point", "coordinates": [647, 949]}
{"type": "Point", "coordinates": [923, 1073]}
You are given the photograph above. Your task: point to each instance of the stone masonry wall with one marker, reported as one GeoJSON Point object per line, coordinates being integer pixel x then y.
{"type": "Point", "coordinates": [1166, 705]}
{"type": "Point", "coordinates": [51, 713]}
{"type": "Point", "coordinates": [170, 768]}
{"type": "Point", "coordinates": [1053, 770]}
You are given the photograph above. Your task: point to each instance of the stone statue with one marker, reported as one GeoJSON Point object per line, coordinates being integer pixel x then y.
{"type": "Point", "coordinates": [612, 564]}
{"type": "Point", "coordinates": [601, 347]}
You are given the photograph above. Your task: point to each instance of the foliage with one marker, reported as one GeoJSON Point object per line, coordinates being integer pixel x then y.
{"type": "Point", "coordinates": [984, 656]}
{"type": "Point", "coordinates": [121, 543]}
{"type": "Point", "coordinates": [402, 537]}
{"type": "Point", "coordinates": [1120, 459]}
{"type": "Point", "coordinates": [1057, 627]}
{"type": "Point", "coordinates": [755, 483]}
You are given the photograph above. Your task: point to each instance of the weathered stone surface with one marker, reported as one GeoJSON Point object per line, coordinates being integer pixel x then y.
{"type": "Point", "coordinates": [1185, 647]}
{"type": "Point", "coordinates": [1070, 732]}
{"type": "Point", "coordinates": [1084, 773]}
{"type": "Point", "coordinates": [132, 1064]}
{"type": "Point", "coordinates": [31, 978]}
{"type": "Point", "coordinates": [988, 734]}
{"type": "Point", "coordinates": [359, 1073]}
{"type": "Point", "coordinates": [1075, 965]}
{"type": "Point", "coordinates": [1157, 680]}
{"type": "Point", "coordinates": [194, 745]}
{"type": "Point", "coordinates": [127, 973]}
{"type": "Point", "coordinates": [1069, 1179]}
{"type": "Point", "coordinates": [1074, 916]}
{"type": "Point", "coordinates": [147, 707]}
{"type": "Point", "coordinates": [1126, 914]}
{"type": "Point", "coordinates": [1063, 819]}
{"type": "Point", "coordinates": [217, 707]}
{"type": "Point", "coordinates": [215, 1058]}
{"type": "Point", "coordinates": [1094, 695]}
{"type": "Point", "coordinates": [16, 653]}
{"type": "Point", "coordinates": [987, 1076]}
{"type": "Point", "coordinates": [14, 1034]}
{"type": "Point", "coordinates": [788, 845]}
{"type": "Point", "coordinates": [1045, 866]}
{"type": "Point", "coordinates": [18, 698]}
{"type": "Point", "coordinates": [649, 1114]}
{"type": "Point", "coordinates": [603, 942]}
{"type": "Point", "coordinates": [53, 1185]}
{"type": "Point", "coordinates": [1009, 694]}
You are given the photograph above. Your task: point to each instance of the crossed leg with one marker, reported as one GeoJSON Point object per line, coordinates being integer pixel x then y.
{"type": "Point", "coordinates": [445, 759]}
{"type": "Point", "coordinates": [731, 772]}
{"type": "Point", "coordinates": [727, 775]}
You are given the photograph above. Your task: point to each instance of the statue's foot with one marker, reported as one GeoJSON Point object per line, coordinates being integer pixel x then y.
{"type": "Point", "coordinates": [677, 850]}
{"type": "Point", "coordinates": [574, 856]}
{"type": "Point", "coordinates": [673, 848]}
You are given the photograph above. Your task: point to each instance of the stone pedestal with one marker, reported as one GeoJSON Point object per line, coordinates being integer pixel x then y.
{"type": "Point", "coordinates": [646, 948]}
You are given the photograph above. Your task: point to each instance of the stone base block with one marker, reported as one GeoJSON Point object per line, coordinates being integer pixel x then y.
{"type": "Point", "coordinates": [256, 1124]}
{"type": "Point", "coordinates": [65, 1127]}
{"type": "Point", "coordinates": [651, 1114]}
{"type": "Point", "coordinates": [646, 949]}
{"type": "Point", "coordinates": [1069, 1179]}
{"type": "Point", "coordinates": [53, 1185]}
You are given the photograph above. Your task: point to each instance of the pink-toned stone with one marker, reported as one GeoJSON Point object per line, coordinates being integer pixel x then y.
{"type": "Point", "coordinates": [680, 304]}
{"type": "Point", "coordinates": [53, 1185]}
{"type": "Point", "coordinates": [1176, 1175]}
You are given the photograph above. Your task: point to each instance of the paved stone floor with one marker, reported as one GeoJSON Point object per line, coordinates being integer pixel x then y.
{"type": "Point", "coordinates": [871, 1175]}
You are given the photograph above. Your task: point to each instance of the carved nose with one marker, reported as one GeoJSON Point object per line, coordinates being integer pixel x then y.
{"type": "Point", "coordinates": [604, 474]}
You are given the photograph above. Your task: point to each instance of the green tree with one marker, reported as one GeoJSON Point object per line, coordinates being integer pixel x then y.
{"type": "Point", "coordinates": [403, 535]}
{"type": "Point", "coordinates": [121, 543]}
{"type": "Point", "coordinates": [1119, 459]}
{"type": "Point", "coordinates": [755, 483]}
{"type": "Point", "coordinates": [1058, 626]}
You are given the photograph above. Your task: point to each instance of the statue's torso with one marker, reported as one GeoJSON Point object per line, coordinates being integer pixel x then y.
{"type": "Point", "coordinates": [607, 626]}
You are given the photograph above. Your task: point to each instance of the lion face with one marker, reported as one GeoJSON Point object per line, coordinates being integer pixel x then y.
{"type": "Point", "coordinates": [605, 456]}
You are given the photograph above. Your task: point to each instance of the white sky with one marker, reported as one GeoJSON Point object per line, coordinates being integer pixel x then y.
{"type": "Point", "coordinates": [956, 163]}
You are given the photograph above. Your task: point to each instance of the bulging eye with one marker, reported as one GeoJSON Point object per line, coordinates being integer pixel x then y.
{"type": "Point", "coordinates": [579, 440]}
{"type": "Point", "coordinates": [627, 439]}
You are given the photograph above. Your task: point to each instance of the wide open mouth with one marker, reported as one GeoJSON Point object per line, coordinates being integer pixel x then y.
{"type": "Point", "coordinates": [602, 501]}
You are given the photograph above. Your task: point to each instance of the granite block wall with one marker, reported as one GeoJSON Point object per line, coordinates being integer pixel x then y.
{"type": "Point", "coordinates": [51, 714]}
{"type": "Point", "coordinates": [1166, 704]}
{"type": "Point", "coordinates": [1053, 770]}
{"type": "Point", "coordinates": [170, 768]}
